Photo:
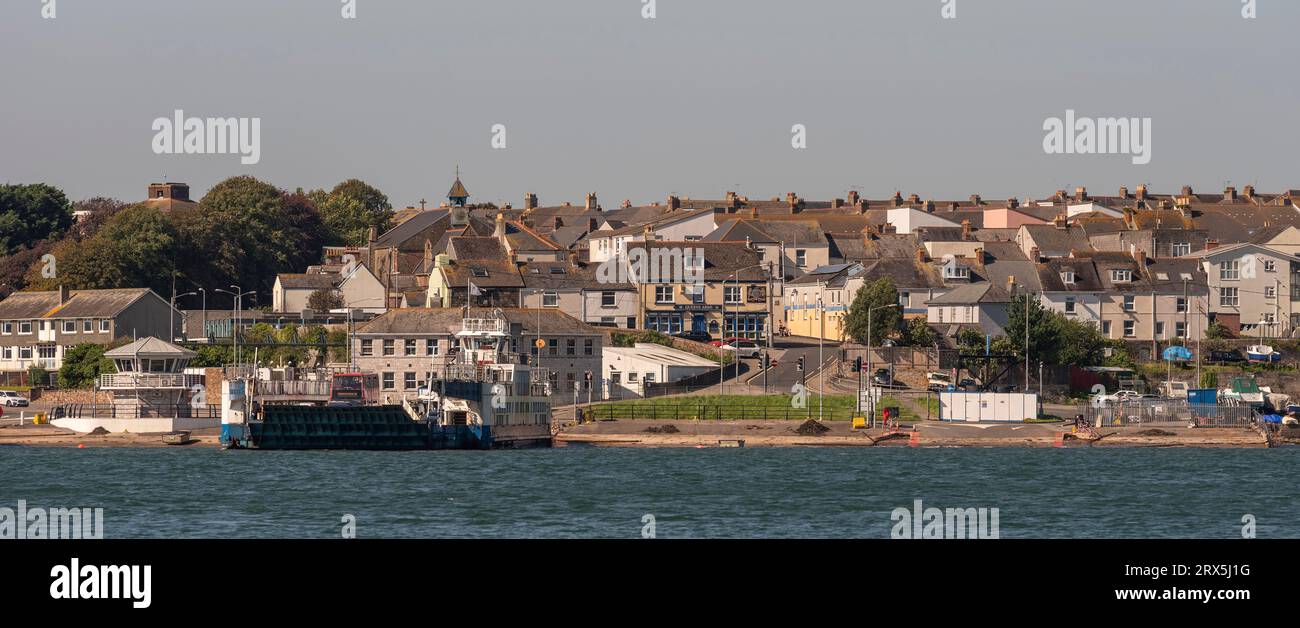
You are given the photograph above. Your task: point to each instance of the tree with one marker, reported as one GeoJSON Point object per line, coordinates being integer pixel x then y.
{"type": "Point", "coordinates": [884, 321]}
{"type": "Point", "coordinates": [918, 333]}
{"type": "Point", "coordinates": [1217, 331]}
{"type": "Point", "coordinates": [38, 376]}
{"type": "Point", "coordinates": [82, 365]}
{"type": "Point", "coordinates": [1044, 329]}
{"type": "Point", "coordinates": [1079, 343]}
{"type": "Point", "coordinates": [136, 248]}
{"type": "Point", "coordinates": [351, 209]}
{"type": "Point", "coordinates": [324, 300]}
{"type": "Point", "coordinates": [31, 212]}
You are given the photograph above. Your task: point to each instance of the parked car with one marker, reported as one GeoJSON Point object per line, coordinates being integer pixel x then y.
{"type": "Point", "coordinates": [743, 348]}
{"type": "Point", "coordinates": [1225, 357]}
{"type": "Point", "coordinates": [697, 336]}
{"type": "Point", "coordinates": [882, 377]}
{"type": "Point", "coordinates": [12, 399]}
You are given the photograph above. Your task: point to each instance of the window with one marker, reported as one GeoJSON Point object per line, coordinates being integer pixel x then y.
{"type": "Point", "coordinates": [1270, 265]}
{"type": "Point", "coordinates": [430, 347]}
{"type": "Point", "coordinates": [1230, 270]}
{"type": "Point", "coordinates": [387, 381]}
{"type": "Point", "coordinates": [8, 353]}
{"type": "Point", "coordinates": [1180, 329]}
{"type": "Point", "coordinates": [588, 347]}
{"type": "Point", "coordinates": [1105, 328]}
{"type": "Point", "coordinates": [24, 353]}
{"type": "Point", "coordinates": [408, 381]}
{"type": "Point", "coordinates": [69, 327]}
{"type": "Point", "coordinates": [649, 378]}
{"type": "Point", "coordinates": [615, 377]}
{"type": "Point", "coordinates": [550, 298]}
{"type": "Point", "coordinates": [25, 327]}
{"type": "Point", "coordinates": [696, 293]}
{"type": "Point", "coordinates": [479, 271]}
{"type": "Point", "coordinates": [608, 299]}
{"type": "Point", "coordinates": [1182, 248]}
{"type": "Point", "coordinates": [731, 294]}
{"type": "Point", "coordinates": [1130, 329]}
{"type": "Point", "coordinates": [88, 326]}
{"type": "Point", "coordinates": [1130, 303]}
{"type": "Point", "coordinates": [1160, 329]}
{"type": "Point", "coordinates": [1180, 305]}
{"type": "Point", "coordinates": [631, 377]}
{"type": "Point", "coordinates": [554, 345]}
{"type": "Point", "coordinates": [1227, 297]}
{"type": "Point", "coordinates": [1268, 318]}
{"type": "Point", "coordinates": [408, 347]}
{"type": "Point", "coordinates": [7, 329]}
{"type": "Point", "coordinates": [1121, 275]}
{"type": "Point", "coordinates": [367, 348]}
{"type": "Point", "coordinates": [1069, 305]}
{"type": "Point", "coordinates": [800, 257]}
{"type": "Point", "coordinates": [104, 325]}
{"type": "Point", "coordinates": [571, 347]}
{"type": "Point", "coordinates": [389, 349]}
{"type": "Point", "coordinates": [558, 270]}
{"type": "Point", "coordinates": [1067, 277]}
{"type": "Point", "coordinates": [663, 294]}
{"type": "Point", "coordinates": [955, 271]}
{"type": "Point", "coordinates": [1270, 292]}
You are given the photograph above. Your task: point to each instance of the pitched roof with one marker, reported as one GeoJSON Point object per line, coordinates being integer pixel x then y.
{"type": "Point", "coordinates": [438, 320]}
{"type": "Point", "coordinates": [307, 281]}
{"type": "Point", "coordinates": [151, 347]}
{"type": "Point", "coordinates": [457, 190]}
{"type": "Point", "coordinates": [80, 303]}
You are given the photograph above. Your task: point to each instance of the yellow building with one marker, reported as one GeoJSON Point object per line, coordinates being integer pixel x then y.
{"type": "Point", "coordinates": [720, 288]}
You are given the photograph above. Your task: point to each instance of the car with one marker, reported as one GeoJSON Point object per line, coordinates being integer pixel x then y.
{"type": "Point", "coordinates": [882, 377]}
{"type": "Point", "coordinates": [12, 399]}
{"type": "Point", "coordinates": [695, 336]}
{"type": "Point", "coordinates": [1225, 357]}
{"type": "Point", "coordinates": [743, 348]}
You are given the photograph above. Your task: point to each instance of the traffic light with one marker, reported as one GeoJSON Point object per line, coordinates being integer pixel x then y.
{"type": "Point", "coordinates": [767, 361]}
{"type": "Point", "coordinates": [800, 364]}
{"type": "Point", "coordinates": [857, 365]}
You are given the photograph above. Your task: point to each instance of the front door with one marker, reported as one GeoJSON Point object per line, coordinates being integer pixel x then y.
{"type": "Point", "coordinates": [698, 323]}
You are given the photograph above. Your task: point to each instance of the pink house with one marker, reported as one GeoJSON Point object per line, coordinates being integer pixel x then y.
{"type": "Point", "coordinates": [1008, 218]}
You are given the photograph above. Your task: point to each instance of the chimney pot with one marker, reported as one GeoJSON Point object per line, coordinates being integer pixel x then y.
{"type": "Point", "coordinates": [530, 201]}
{"type": "Point", "coordinates": [1123, 192]}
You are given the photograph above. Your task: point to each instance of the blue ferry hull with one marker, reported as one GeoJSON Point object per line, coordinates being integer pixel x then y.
{"type": "Point", "coordinates": [362, 427]}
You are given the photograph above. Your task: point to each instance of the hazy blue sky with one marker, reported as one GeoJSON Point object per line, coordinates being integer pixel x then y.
{"type": "Point", "coordinates": [696, 102]}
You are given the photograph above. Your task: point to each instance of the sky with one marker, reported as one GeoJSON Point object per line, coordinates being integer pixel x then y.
{"type": "Point", "coordinates": [697, 101]}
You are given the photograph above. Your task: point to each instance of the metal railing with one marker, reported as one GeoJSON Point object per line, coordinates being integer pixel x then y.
{"type": "Point", "coordinates": [657, 412]}
{"type": "Point", "coordinates": [108, 381]}
{"type": "Point", "coordinates": [483, 325]}
{"type": "Point", "coordinates": [110, 411]}
{"type": "Point", "coordinates": [1171, 413]}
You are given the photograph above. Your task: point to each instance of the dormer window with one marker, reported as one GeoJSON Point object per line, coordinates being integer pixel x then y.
{"type": "Point", "coordinates": [1067, 277]}
{"type": "Point", "coordinates": [479, 272]}
{"type": "Point", "coordinates": [1121, 275]}
{"type": "Point", "coordinates": [955, 271]}
{"type": "Point", "coordinates": [558, 270]}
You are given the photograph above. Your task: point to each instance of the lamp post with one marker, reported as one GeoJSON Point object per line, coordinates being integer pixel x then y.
{"type": "Point", "coordinates": [821, 372]}
{"type": "Point", "coordinates": [204, 326]}
{"type": "Point", "coordinates": [238, 295]}
{"type": "Point", "coordinates": [171, 315]}
{"type": "Point", "coordinates": [870, 372]}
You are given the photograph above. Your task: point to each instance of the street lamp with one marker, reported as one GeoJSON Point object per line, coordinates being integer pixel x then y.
{"type": "Point", "coordinates": [171, 315]}
{"type": "Point", "coordinates": [870, 372]}
{"type": "Point", "coordinates": [234, 330]}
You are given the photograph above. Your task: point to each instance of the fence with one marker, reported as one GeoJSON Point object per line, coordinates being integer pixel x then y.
{"type": "Point", "coordinates": [100, 411]}
{"type": "Point", "coordinates": [899, 357]}
{"type": "Point", "coordinates": [657, 412]}
{"type": "Point", "coordinates": [1166, 413]}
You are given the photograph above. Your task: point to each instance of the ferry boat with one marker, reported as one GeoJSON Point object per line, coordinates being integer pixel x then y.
{"type": "Point", "coordinates": [481, 397]}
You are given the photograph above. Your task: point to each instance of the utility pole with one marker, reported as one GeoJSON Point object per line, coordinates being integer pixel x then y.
{"type": "Point", "coordinates": [1026, 341]}
{"type": "Point", "coordinates": [821, 362]}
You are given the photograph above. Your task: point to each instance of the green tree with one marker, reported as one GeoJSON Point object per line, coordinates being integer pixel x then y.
{"type": "Point", "coordinates": [82, 365]}
{"type": "Point", "coordinates": [30, 213]}
{"type": "Point", "coordinates": [1217, 331]}
{"type": "Point", "coordinates": [324, 300]}
{"type": "Point", "coordinates": [38, 376]}
{"type": "Point", "coordinates": [1044, 328]}
{"type": "Point", "coordinates": [135, 248]}
{"type": "Point", "coordinates": [918, 333]}
{"type": "Point", "coordinates": [870, 302]}
{"type": "Point", "coordinates": [1079, 343]}
{"type": "Point", "coordinates": [351, 209]}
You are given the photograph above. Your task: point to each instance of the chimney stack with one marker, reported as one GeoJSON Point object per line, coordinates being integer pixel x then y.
{"type": "Point", "coordinates": [1141, 257]}
{"type": "Point", "coordinates": [1011, 283]}
{"type": "Point", "coordinates": [592, 205]}
{"type": "Point", "coordinates": [592, 224]}
{"type": "Point", "coordinates": [1249, 192]}
{"type": "Point", "coordinates": [928, 206]}
{"type": "Point", "coordinates": [559, 222]}
{"type": "Point", "coordinates": [837, 203]}
{"type": "Point", "coordinates": [1123, 192]}
{"type": "Point", "coordinates": [1035, 255]}
{"type": "Point", "coordinates": [530, 201]}
{"type": "Point", "coordinates": [1230, 193]}
{"type": "Point", "coordinates": [1059, 221]}
{"type": "Point", "coordinates": [976, 200]}
{"type": "Point", "coordinates": [1187, 190]}
{"type": "Point", "coordinates": [63, 294]}
{"type": "Point", "coordinates": [733, 200]}
{"type": "Point", "coordinates": [1142, 193]}
{"type": "Point", "coordinates": [1211, 244]}
{"type": "Point", "coordinates": [627, 202]}
{"type": "Point", "coordinates": [898, 199]}
{"type": "Point", "coordinates": [913, 199]}
{"type": "Point", "coordinates": [965, 229]}
{"type": "Point", "coordinates": [674, 203]}
{"type": "Point", "coordinates": [1013, 202]}
{"type": "Point", "coordinates": [500, 231]}
{"type": "Point", "coordinates": [1080, 194]}
{"type": "Point", "coordinates": [920, 255]}
{"type": "Point", "coordinates": [853, 197]}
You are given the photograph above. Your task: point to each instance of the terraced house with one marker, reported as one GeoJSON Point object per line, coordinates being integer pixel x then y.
{"type": "Point", "coordinates": [38, 328]}
{"type": "Point", "coordinates": [731, 298]}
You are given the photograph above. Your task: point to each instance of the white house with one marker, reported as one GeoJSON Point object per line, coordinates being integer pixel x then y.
{"type": "Point", "coordinates": [908, 219]}
{"type": "Point", "coordinates": [628, 370]}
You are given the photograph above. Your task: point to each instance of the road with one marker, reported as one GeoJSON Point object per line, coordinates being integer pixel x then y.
{"type": "Point", "coordinates": [785, 374]}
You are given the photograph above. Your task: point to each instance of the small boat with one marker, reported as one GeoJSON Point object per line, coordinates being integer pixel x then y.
{"type": "Point", "coordinates": [177, 438]}
{"type": "Point", "coordinates": [1262, 353]}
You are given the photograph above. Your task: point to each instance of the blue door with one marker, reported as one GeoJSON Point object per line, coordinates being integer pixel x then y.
{"type": "Point", "coordinates": [698, 323]}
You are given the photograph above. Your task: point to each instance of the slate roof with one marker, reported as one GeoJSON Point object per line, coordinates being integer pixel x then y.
{"type": "Point", "coordinates": [80, 303]}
